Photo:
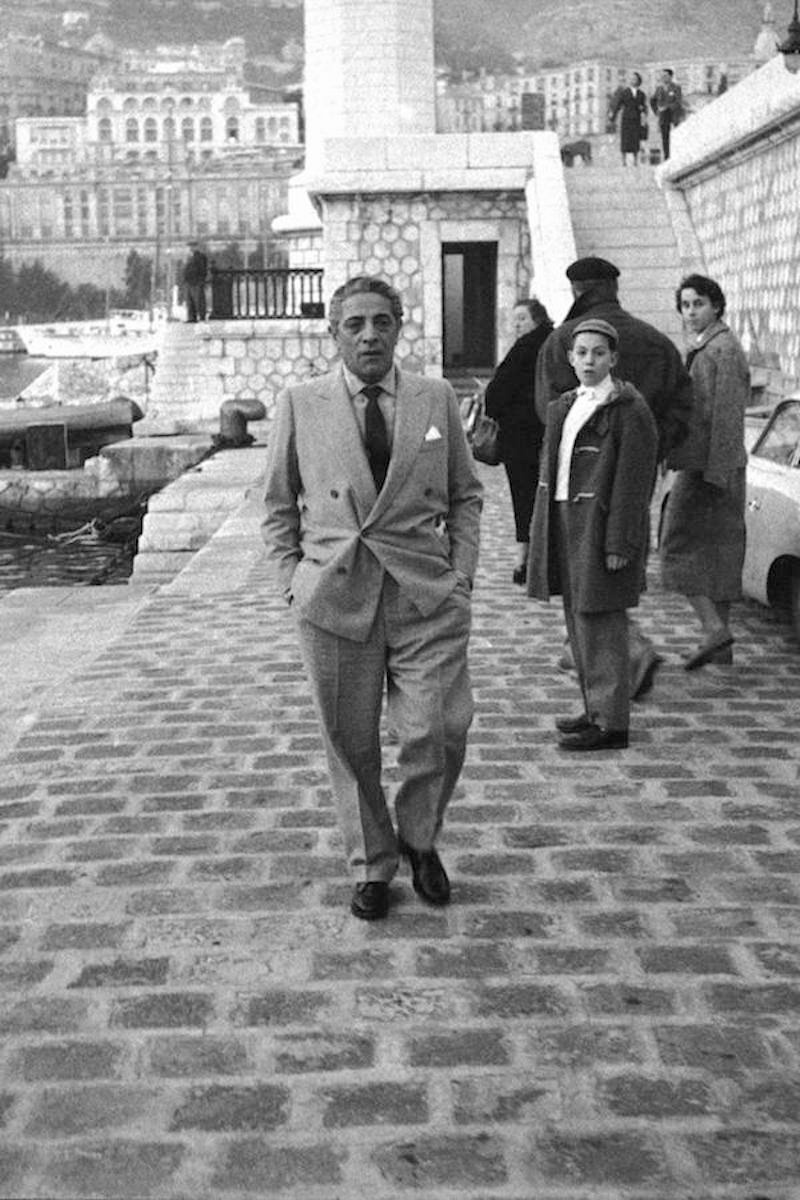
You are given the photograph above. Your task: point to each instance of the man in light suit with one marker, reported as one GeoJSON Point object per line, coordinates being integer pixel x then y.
{"type": "Point", "coordinates": [373, 510]}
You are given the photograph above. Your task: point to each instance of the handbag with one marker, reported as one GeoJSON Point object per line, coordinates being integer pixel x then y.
{"type": "Point", "coordinates": [485, 438]}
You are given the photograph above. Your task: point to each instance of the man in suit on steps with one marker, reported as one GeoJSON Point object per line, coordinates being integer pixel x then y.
{"type": "Point", "coordinates": [372, 519]}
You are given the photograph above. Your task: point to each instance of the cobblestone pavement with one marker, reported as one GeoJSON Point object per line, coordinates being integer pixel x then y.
{"type": "Point", "coordinates": [610, 1007]}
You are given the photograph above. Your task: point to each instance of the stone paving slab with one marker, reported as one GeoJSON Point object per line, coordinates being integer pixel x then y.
{"type": "Point", "coordinates": [610, 1008]}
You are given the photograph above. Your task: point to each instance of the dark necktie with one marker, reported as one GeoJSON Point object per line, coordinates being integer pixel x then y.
{"type": "Point", "coordinates": [376, 437]}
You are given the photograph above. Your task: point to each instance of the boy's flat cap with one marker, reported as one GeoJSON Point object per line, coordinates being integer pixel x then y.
{"type": "Point", "coordinates": [597, 325]}
{"type": "Point", "coordinates": [591, 268]}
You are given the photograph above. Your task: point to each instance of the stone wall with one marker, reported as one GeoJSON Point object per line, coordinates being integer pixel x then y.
{"type": "Point", "coordinates": [202, 365]}
{"type": "Point", "coordinates": [736, 170]}
{"type": "Point", "coordinates": [400, 237]}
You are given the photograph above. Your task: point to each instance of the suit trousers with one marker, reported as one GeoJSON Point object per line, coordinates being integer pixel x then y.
{"type": "Point", "coordinates": [600, 647]}
{"type": "Point", "coordinates": [422, 660]}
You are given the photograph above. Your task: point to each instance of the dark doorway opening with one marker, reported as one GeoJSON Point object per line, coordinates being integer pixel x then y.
{"type": "Point", "coordinates": [469, 288]}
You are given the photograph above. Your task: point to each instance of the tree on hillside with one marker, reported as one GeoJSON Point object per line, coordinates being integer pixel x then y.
{"type": "Point", "coordinates": [138, 280]}
{"type": "Point", "coordinates": [39, 294]}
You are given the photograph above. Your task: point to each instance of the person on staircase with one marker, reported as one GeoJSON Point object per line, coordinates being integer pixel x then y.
{"type": "Point", "coordinates": [509, 399]}
{"type": "Point", "coordinates": [631, 102]}
{"type": "Point", "coordinates": [650, 361]}
{"type": "Point", "coordinates": [667, 103]}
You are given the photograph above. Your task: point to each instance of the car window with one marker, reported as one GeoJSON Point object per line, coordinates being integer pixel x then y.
{"type": "Point", "coordinates": [780, 442]}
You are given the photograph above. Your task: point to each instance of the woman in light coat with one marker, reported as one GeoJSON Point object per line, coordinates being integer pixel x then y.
{"type": "Point", "coordinates": [703, 534]}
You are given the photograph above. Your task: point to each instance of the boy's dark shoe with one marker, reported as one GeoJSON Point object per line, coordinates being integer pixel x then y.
{"type": "Point", "coordinates": [573, 724]}
{"type": "Point", "coordinates": [370, 900]}
{"type": "Point", "coordinates": [645, 676]}
{"type": "Point", "coordinates": [721, 640]}
{"type": "Point", "coordinates": [429, 877]}
{"type": "Point", "coordinates": [595, 738]}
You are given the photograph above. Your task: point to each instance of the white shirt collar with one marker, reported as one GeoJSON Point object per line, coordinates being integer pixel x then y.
{"type": "Point", "coordinates": [599, 394]}
{"type": "Point", "coordinates": [355, 385]}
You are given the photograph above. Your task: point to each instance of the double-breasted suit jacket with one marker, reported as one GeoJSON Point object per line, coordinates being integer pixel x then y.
{"type": "Point", "coordinates": [332, 536]}
{"type": "Point", "coordinates": [611, 478]}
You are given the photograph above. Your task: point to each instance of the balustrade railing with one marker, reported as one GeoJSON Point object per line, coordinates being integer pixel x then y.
{"type": "Point", "coordinates": [277, 293]}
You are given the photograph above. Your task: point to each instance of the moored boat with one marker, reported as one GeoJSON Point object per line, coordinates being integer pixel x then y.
{"type": "Point", "coordinates": [125, 332]}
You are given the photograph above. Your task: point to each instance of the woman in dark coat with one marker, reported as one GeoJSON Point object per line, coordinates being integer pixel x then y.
{"type": "Point", "coordinates": [703, 536]}
{"type": "Point", "coordinates": [509, 399]}
{"type": "Point", "coordinates": [632, 102]}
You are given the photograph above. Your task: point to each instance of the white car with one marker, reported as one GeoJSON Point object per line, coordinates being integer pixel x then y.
{"type": "Point", "coordinates": [772, 514]}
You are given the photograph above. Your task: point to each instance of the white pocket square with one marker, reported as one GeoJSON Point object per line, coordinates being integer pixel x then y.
{"type": "Point", "coordinates": [433, 435]}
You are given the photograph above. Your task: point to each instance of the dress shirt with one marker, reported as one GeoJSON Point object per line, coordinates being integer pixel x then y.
{"type": "Point", "coordinates": [387, 401]}
{"type": "Point", "coordinates": [585, 405]}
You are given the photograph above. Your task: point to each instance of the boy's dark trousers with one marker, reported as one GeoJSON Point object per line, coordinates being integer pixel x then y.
{"type": "Point", "coordinates": [599, 642]}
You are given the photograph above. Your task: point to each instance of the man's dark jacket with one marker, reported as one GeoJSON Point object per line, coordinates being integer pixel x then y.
{"type": "Point", "coordinates": [647, 359]}
{"type": "Point", "coordinates": [196, 269]}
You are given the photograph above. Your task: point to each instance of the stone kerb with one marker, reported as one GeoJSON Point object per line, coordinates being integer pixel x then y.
{"type": "Point", "coordinates": [206, 364]}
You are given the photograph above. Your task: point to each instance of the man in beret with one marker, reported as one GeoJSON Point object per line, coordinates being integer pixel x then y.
{"type": "Point", "coordinates": [650, 361]}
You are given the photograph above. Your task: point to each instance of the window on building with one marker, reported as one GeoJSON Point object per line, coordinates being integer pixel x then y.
{"type": "Point", "coordinates": [104, 129]}
{"type": "Point", "coordinates": [187, 129]}
{"type": "Point", "coordinates": [103, 212]}
{"type": "Point", "coordinates": [206, 130]}
{"type": "Point", "coordinates": [131, 130]}
{"type": "Point", "coordinates": [149, 103]}
{"type": "Point", "coordinates": [151, 129]}
{"type": "Point", "coordinates": [130, 104]}
{"type": "Point", "coordinates": [261, 129]}
{"type": "Point", "coordinates": [123, 211]}
{"type": "Point", "coordinates": [169, 129]}
{"type": "Point", "coordinates": [232, 129]}
{"type": "Point", "coordinates": [85, 214]}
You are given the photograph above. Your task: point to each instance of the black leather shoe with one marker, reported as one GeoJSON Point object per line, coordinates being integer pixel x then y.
{"type": "Point", "coordinates": [573, 724]}
{"type": "Point", "coordinates": [370, 900]}
{"type": "Point", "coordinates": [595, 738]}
{"type": "Point", "coordinates": [429, 877]}
{"type": "Point", "coordinates": [520, 575]}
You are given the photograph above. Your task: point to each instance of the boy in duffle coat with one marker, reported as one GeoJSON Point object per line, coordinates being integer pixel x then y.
{"type": "Point", "coordinates": [590, 528]}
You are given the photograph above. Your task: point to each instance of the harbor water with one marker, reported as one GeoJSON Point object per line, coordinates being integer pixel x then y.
{"type": "Point", "coordinates": [81, 558]}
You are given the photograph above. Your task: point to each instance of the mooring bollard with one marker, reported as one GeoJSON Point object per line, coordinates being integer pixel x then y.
{"type": "Point", "coordinates": [233, 418]}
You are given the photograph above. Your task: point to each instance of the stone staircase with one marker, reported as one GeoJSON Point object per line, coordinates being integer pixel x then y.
{"type": "Point", "coordinates": [187, 389]}
{"type": "Point", "coordinates": [621, 214]}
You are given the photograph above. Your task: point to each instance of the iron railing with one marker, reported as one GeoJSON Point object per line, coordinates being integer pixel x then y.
{"type": "Point", "coordinates": [276, 293]}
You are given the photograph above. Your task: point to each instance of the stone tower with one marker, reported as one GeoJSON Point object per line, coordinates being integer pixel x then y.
{"type": "Point", "coordinates": [369, 70]}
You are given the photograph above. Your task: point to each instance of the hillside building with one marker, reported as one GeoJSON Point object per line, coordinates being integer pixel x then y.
{"type": "Point", "coordinates": [573, 100]}
{"type": "Point", "coordinates": [39, 77]}
{"type": "Point", "coordinates": [172, 146]}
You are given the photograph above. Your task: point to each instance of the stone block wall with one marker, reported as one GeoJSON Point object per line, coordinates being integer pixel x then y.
{"type": "Point", "coordinates": [400, 237]}
{"type": "Point", "coordinates": [736, 167]}
{"type": "Point", "coordinates": [202, 365]}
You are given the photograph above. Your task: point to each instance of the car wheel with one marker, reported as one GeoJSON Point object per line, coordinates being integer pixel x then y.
{"type": "Point", "coordinates": [795, 598]}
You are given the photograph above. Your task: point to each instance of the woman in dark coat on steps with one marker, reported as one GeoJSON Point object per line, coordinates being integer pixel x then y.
{"type": "Point", "coordinates": [510, 400]}
{"type": "Point", "coordinates": [632, 102]}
